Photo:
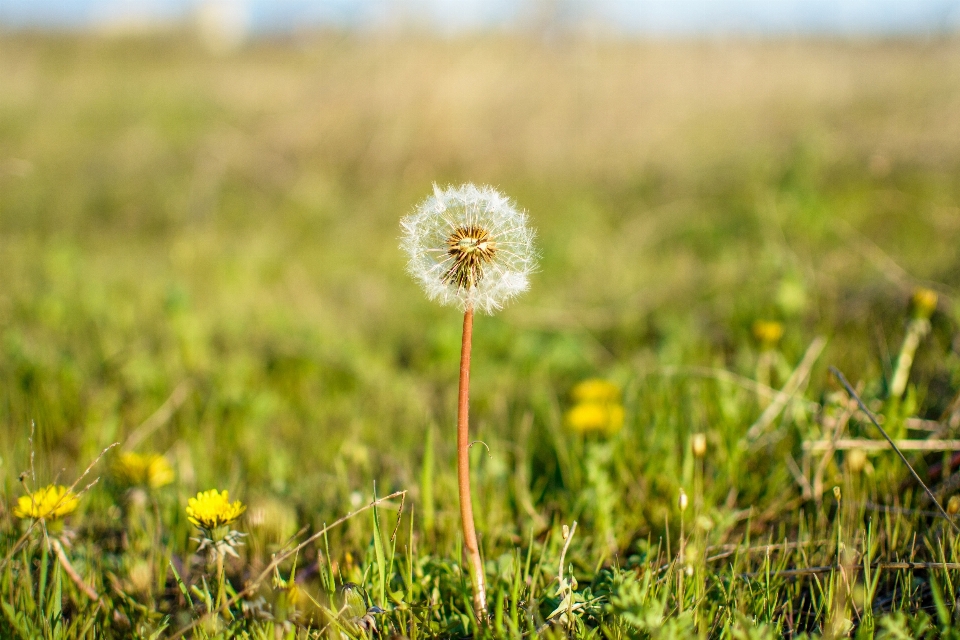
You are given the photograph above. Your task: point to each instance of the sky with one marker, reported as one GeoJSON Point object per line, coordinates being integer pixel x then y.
{"type": "Point", "coordinates": [679, 17]}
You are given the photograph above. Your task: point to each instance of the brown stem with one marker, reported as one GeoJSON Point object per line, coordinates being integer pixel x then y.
{"type": "Point", "coordinates": [70, 571]}
{"type": "Point", "coordinates": [463, 470]}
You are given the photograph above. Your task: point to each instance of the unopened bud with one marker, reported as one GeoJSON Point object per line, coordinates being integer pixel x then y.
{"type": "Point", "coordinates": [924, 303]}
{"type": "Point", "coordinates": [699, 444]}
{"type": "Point", "coordinates": [836, 493]}
{"type": "Point", "coordinates": [682, 501]}
{"type": "Point", "coordinates": [953, 505]}
{"type": "Point", "coordinates": [566, 532]}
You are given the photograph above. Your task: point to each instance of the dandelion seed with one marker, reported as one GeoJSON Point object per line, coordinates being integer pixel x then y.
{"type": "Point", "coordinates": [470, 247]}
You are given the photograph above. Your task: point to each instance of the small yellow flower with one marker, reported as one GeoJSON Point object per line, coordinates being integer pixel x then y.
{"type": "Point", "coordinates": [597, 407]}
{"type": "Point", "coordinates": [212, 509]}
{"type": "Point", "coordinates": [49, 503]}
{"type": "Point", "coordinates": [924, 303]}
{"type": "Point", "coordinates": [590, 417]}
{"type": "Point", "coordinates": [767, 333]}
{"type": "Point", "coordinates": [143, 470]}
{"type": "Point", "coordinates": [596, 390]}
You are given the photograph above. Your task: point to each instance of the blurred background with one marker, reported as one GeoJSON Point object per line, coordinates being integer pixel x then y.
{"type": "Point", "coordinates": [199, 206]}
{"type": "Point", "coordinates": [625, 17]}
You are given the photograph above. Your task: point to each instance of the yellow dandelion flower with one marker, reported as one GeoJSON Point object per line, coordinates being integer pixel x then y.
{"type": "Point", "coordinates": [597, 407]}
{"type": "Point", "coordinates": [767, 333]}
{"type": "Point", "coordinates": [595, 417]}
{"type": "Point", "coordinates": [49, 503]}
{"type": "Point", "coordinates": [596, 390]}
{"type": "Point", "coordinates": [212, 509]}
{"type": "Point", "coordinates": [143, 470]}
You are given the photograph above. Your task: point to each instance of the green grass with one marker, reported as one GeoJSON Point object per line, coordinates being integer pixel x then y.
{"type": "Point", "coordinates": [228, 227]}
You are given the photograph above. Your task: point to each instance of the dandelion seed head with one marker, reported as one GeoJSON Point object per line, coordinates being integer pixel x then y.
{"type": "Point", "coordinates": [469, 247]}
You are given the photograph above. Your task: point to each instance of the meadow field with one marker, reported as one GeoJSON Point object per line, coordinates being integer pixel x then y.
{"type": "Point", "coordinates": [199, 259]}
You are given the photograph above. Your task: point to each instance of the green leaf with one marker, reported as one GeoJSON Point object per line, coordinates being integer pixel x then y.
{"type": "Point", "coordinates": [183, 587]}
{"type": "Point", "coordinates": [378, 550]}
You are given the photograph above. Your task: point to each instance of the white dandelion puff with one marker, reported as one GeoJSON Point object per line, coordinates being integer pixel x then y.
{"type": "Point", "coordinates": [469, 247]}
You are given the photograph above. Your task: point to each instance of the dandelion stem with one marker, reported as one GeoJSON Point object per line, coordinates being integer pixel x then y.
{"type": "Point", "coordinates": [463, 470]}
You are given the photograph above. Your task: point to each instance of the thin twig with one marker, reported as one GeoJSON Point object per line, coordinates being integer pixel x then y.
{"type": "Point", "coordinates": [952, 566]}
{"type": "Point", "coordinates": [722, 375]}
{"type": "Point", "coordinates": [799, 477]}
{"type": "Point", "coordinates": [868, 444]}
{"type": "Point", "coordinates": [159, 417]}
{"type": "Point", "coordinates": [728, 550]}
{"type": "Point", "coordinates": [87, 590]}
{"type": "Point", "coordinates": [790, 388]}
{"type": "Point", "coordinates": [853, 394]}
{"type": "Point", "coordinates": [886, 508]}
{"type": "Point", "coordinates": [829, 448]}
{"type": "Point", "coordinates": [872, 252]}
